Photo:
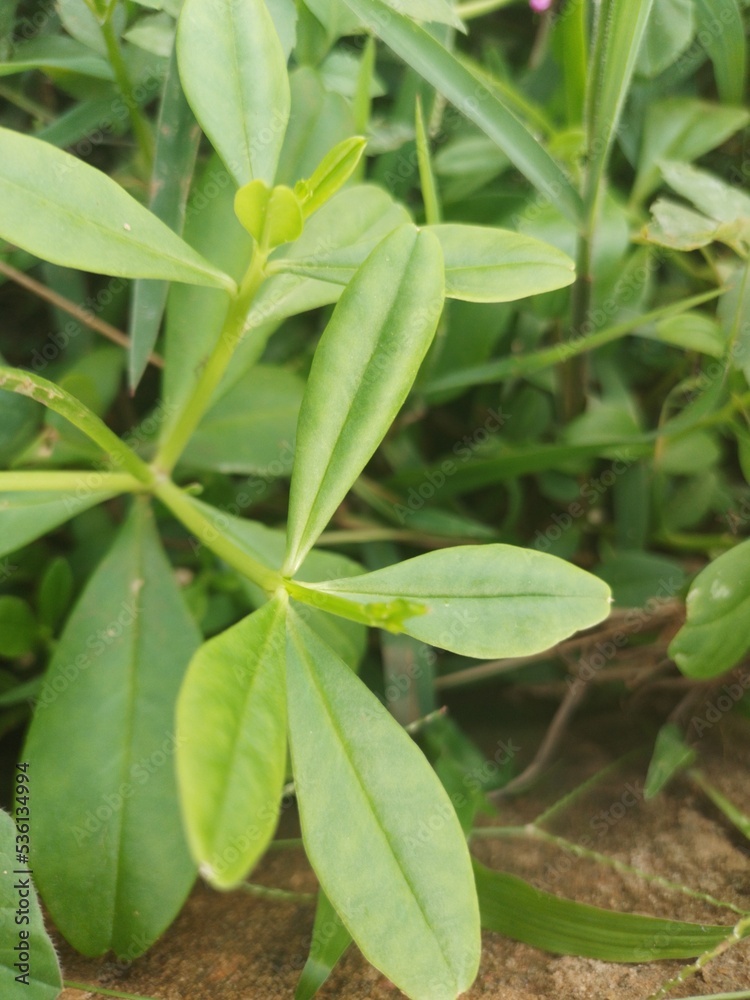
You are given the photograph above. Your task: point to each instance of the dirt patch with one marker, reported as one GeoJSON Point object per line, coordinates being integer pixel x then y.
{"type": "Point", "coordinates": [232, 946]}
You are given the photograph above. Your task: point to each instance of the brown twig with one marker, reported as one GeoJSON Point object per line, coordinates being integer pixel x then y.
{"type": "Point", "coordinates": [548, 745]}
{"type": "Point", "coordinates": [76, 311]}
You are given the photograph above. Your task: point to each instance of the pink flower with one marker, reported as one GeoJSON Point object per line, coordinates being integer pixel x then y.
{"type": "Point", "coordinates": [540, 5]}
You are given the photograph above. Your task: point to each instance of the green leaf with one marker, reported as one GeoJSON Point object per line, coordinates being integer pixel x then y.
{"type": "Point", "coordinates": [61, 209]}
{"type": "Point", "coordinates": [17, 627]}
{"type": "Point", "coordinates": [716, 634]}
{"type": "Point", "coordinates": [56, 54]}
{"type": "Point", "coordinates": [177, 139]}
{"type": "Point", "coordinates": [692, 331]}
{"type": "Point", "coordinates": [430, 195]}
{"type": "Point", "coordinates": [19, 421]}
{"type": "Point", "coordinates": [251, 429]}
{"type": "Point", "coordinates": [681, 128]}
{"type": "Point", "coordinates": [43, 978]}
{"type": "Point", "coordinates": [80, 21]}
{"type": "Point", "coordinates": [473, 98]}
{"type": "Point", "coordinates": [481, 264]}
{"type": "Point", "coordinates": [722, 33]}
{"type": "Point", "coordinates": [107, 709]}
{"type": "Point", "coordinates": [497, 265]}
{"type": "Point", "coordinates": [636, 576]}
{"type": "Point", "coordinates": [389, 854]}
{"type": "Point", "coordinates": [359, 382]}
{"type": "Point", "coordinates": [484, 600]}
{"type": "Point", "coordinates": [671, 755]}
{"type": "Point", "coordinates": [512, 907]}
{"type": "Point", "coordinates": [619, 30]}
{"type": "Point", "coordinates": [434, 11]}
{"type": "Point", "coordinates": [319, 121]}
{"type": "Point", "coordinates": [709, 193]}
{"type": "Point", "coordinates": [55, 592]}
{"type": "Point", "coordinates": [739, 819]}
{"type": "Point", "coordinates": [670, 29]}
{"type": "Point", "coordinates": [679, 228]}
{"type": "Point", "coordinates": [234, 74]}
{"type": "Point", "coordinates": [25, 516]}
{"type": "Point", "coordinates": [330, 939]}
{"type": "Point", "coordinates": [195, 315]}
{"type": "Point", "coordinates": [272, 216]}
{"type": "Point", "coordinates": [231, 737]}
{"type": "Point", "coordinates": [333, 171]}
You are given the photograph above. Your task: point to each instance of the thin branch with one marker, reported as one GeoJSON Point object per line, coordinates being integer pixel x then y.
{"type": "Point", "coordinates": [548, 746]}
{"type": "Point", "coordinates": [76, 311]}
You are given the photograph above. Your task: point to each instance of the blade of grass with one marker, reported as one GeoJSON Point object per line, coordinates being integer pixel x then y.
{"type": "Point", "coordinates": [735, 816]}
{"type": "Point", "coordinates": [527, 364]}
{"type": "Point", "coordinates": [473, 98]}
{"type": "Point", "coordinates": [513, 907]}
{"type": "Point", "coordinates": [725, 47]}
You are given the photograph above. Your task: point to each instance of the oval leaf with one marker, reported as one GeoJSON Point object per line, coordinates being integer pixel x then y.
{"type": "Point", "coordinates": [106, 709]}
{"type": "Point", "coordinates": [379, 829]}
{"type": "Point", "coordinates": [365, 364]}
{"type": "Point", "coordinates": [482, 600]}
{"type": "Point", "coordinates": [63, 210]}
{"type": "Point", "coordinates": [231, 735]}
{"type": "Point", "coordinates": [496, 265]}
{"type": "Point", "coordinates": [234, 75]}
{"type": "Point", "coordinates": [717, 632]}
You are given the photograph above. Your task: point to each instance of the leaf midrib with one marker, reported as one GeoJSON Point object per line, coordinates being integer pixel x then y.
{"type": "Point", "coordinates": [368, 799]}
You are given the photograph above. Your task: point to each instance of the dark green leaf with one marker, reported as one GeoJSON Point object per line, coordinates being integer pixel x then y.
{"type": "Point", "coordinates": [717, 632]}
{"type": "Point", "coordinates": [671, 755]}
{"type": "Point", "coordinates": [516, 909]}
{"type": "Point", "coordinates": [107, 710]}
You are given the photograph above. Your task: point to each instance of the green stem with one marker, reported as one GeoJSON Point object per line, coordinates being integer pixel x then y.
{"type": "Point", "coordinates": [212, 537]}
{"type": "Point", "coordinates": [574, 371]}
{"type": "Point", "coordinates": [740, 930]}
{"type": "Point", "coordinates": [278, 895]}
{"type": "Point", "coordinates": [200, 400]}
{"type": "Point", "coordinates": [27, 383]}
{"type": "Point", "coordinates": [530, 831]}
{"type": "Point", "coordinates": [54, 482]}
{"type": "Point", "coordinates": [141, 128]}
{"type": "Point", "coordinates": [476, 8]}
{"type": "Point", "coordinates": [32, 108]}
{"type": "Point", "coordinates": [528, 364]}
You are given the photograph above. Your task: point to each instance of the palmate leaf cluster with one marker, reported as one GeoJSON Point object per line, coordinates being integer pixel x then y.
{"type": "Point", "coordinates": [178, 749]}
